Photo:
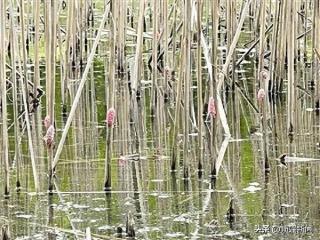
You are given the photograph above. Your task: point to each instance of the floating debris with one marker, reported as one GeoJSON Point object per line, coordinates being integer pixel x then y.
{"type": "Point", "coordinates": [77, 220]}
{"type": "Point", "coordinates": [231, 233]}
{"type": "Point", "coordinates": [175, 235]}
{"type": "Point", "coordinates": [183, 218]}
{"type": "Point", "coordinates": [78, 206]}
{"type": "Point", "coordinates": [99, 209]}
{"type": "Point", "coordinates": [105, 228]}
{"type": "Point", "coordinates": [25, 216]}
{"type": "Point", "coordinates": [252, 188]}
{"type": "Point", "coordinates": [88, 234]}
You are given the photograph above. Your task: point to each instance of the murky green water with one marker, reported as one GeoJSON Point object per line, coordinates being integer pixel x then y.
{"type": "Point", "coordinates": [163, 206]}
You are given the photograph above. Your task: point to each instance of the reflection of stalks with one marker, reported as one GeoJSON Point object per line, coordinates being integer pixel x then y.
{"type": "Point", "coordinates": [74, 230]}
{"type": "Point", "coordinates": [5, 232]}
{"type": "Point", "coordinates": [71, 232]}
{"type": "Point", "coordinates": [130, 226]}
{"type": "Point", "coordinates": [88, 234]}
{"type": "Point", "coordinates": [139, 189]}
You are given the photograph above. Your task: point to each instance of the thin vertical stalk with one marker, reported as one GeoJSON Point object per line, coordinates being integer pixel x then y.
{"type": "Point", "coordinates": [5, 144]}
{"type": "Point", "coordinates": [154, 93]}
{"type": "Point", "coordinates": [291, 79]}
{"type": "Point", "coordinates": [110, 97]}
{"type": "Point", "coordinates": [15, 98]}
{"type": "Point", "coordinates": [28, 126]}
{"type": "Point", "coordinates": [137, 71]}
{"type": "Point", "coordinates": [213, 88]}
{"type": "Point", "coordinates": [187, 80]}
{"type": "Point", "coordinates": [263, 82]}
{"type": "Point", "coordinates": [177, 114]}
{"type": "Point", "coordinates": [199, 87]}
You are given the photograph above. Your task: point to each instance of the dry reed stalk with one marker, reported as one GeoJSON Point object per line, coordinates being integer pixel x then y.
{"type": "Point", "coordinates": [136, 84]}
{"type": "Point", "coordinates": [5, 144]}
{"type": "Point", "coordinates": [225, 68]}
{"type": "Point", "coordinates": [235, 39]}
{"type": "Point", "coordinates": [219, 101]}
{"type": "Point", "coordinates": [15, 97]}
{"type": "Point", "coordinates": [67, 61]}
{"type": "Point", "coordinates": [273, 57]}
{"type": "Point", "coordinates": [36, 46]}
{"type": "Point", "coordinates": [262, 41]}
{"type": "Point", "coordinates": [24, 47]}
{"type": "Point", "coordinates": [121, 81]}
{"type": "Point", "coordinates": [281, 47]}
{"type": "Point", "coordinates": [177, 116]}
{"type": "Point", "coordinates": [303, 56]}
{"type": "Point", "coordinates": [263, 82]}
{"type": "Point", "coordinates": [50, 74]}
{"type": "Point", "coordinates": [23, 82]}
{"type": "Point", "coordinates": [36, 118]}
{"type": "Point", "coordinates": [87, 45]}
{"type": "Point", "coordinates": [187, 82]}
{"type": "Point", "coordinates": [214, 73]}
{"type": "Point", "coordinates": [291, 77]}
{"type": "Point", "coordinates": [166, 75]}
{"type": "Point", "coordinates": [154, 88]}
{"type": "Point", "coordinates": [79, 91]}
{"type": "Point", "coordinates": [110, 89]}
{"type": "Point", "coordinates": [199, 87]}
{"type": "Point", "coordinates": [315, 60]}
{"type": "Point", "coordinates": [174, 25]}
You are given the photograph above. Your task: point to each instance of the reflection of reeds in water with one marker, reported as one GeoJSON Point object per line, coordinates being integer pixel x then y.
{"type": "Point", "coordinates": [4, 233]}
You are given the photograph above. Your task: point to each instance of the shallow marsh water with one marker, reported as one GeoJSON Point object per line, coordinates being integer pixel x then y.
{"type": "Point", "coordinates": [163, 206]}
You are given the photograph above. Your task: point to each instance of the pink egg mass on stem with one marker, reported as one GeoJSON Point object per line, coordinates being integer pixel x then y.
{"type": "Point", "coordinates": [261, 95]}
{"type": "Point", "coordinates": [212, 107]}
{"type": "Point", "coordinates": [111, 116]}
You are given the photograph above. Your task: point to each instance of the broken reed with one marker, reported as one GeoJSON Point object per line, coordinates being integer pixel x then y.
{"type": "Point", "coordinates": [175, 45]}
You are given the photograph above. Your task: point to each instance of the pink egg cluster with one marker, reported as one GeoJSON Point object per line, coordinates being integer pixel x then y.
{"type": "Point", "coordinates": [111, 116]}
{"type": "Point", "coordinates": [49, 137]}
{"type": "Point", "coordinates": [261, 95]}
{"type": "Point", "coordinates": [212, 108]}
{"type": "Point", "coordinates": [47, 122]}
